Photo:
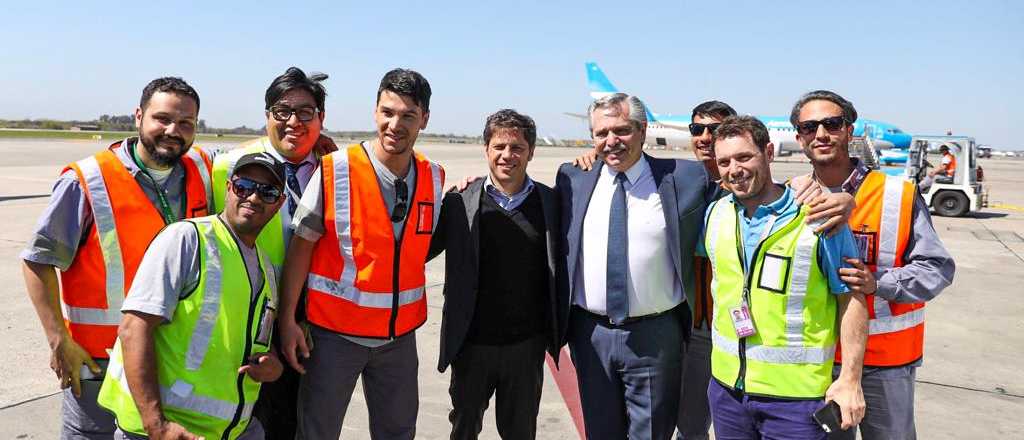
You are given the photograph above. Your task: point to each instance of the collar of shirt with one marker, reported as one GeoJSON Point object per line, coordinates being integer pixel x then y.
{"type": "Point", "coordinates": [124, 154]}
{"type": "Point", "coordinates": [786, 202]}
{"type": "Point", "coordinates": [633, 174]}
{"type": "Point", "coordinates": [509, 202]}
{"type": "Point", "coordinates": [860, 171]}
{"type": "Point", "coordinates": [269, 148]}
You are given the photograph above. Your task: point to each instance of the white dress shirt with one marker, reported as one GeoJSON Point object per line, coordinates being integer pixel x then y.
{"type": "Point", "coordinates": [652, 285]}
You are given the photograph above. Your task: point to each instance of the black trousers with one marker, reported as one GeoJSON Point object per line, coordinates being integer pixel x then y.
{"type": "Point", "coordinates": [514, 373]}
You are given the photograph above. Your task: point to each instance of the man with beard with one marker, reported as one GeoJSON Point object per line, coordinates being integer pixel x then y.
{"type": "Point", "coordinates": [362, 232]}
{"type": "Point", "coordinates": [783, 295]}
{"type": "Point", "coordinates": [898, 244]}
{"type": "Point", "coordinates": [194, 346]}
{"type": "Point", "coordinates": [294, 108]}
{"type": "Point", "coordinates": [102, 214]}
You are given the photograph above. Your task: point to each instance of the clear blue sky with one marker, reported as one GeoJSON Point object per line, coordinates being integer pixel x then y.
{"type": "Point", "coordinates": [926, 66]}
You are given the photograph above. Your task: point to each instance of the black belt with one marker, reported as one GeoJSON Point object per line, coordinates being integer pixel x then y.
{"type": "Point", "coordinates": [629, 320]}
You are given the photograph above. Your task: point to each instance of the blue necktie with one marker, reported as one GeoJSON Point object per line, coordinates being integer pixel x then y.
{"type": "Point", "coordinates": [291, 170]}
{"type": "Point", "coordinates": [617, 302]}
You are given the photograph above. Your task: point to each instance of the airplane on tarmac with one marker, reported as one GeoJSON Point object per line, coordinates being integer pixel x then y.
{"type": "Point", "coordinates": [666, 130]}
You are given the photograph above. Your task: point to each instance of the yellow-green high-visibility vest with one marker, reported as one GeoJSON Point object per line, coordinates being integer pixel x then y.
{"type": "Point", "coordinates": [212, 333]}
{"type": "Point", "coordinates": [794, 313]}
{"type": "Point", "coordinates": [271, 239]}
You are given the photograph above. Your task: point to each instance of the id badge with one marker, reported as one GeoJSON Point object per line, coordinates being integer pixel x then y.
{"type": "Point", "coordinates": [266, 328]}
{"type": "Point", "coordinates": [742, 321]}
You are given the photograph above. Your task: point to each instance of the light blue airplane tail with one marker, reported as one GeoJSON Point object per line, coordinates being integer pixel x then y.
{"type": "Point", "coordinates": [600, 86]}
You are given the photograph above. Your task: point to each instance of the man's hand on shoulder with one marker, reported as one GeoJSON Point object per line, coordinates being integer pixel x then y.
{"type": "Point", "coordinates": [461, 185]}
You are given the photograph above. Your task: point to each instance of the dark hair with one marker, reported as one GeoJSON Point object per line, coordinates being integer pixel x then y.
{"type": "Point", "coordinates": [715, 109]}
{"type": "Point", "coordinates": [409, 83]}
{"type": "Point", "coordinates": [511, 119]}
{"type": "Point", "coordinates": [168, 84]}
{"type": "Point", "coordinates": [849, 113]}
{"type": "Point", "coordinates": [295, 78]}
{"type": "Point", "coordinates": [738, 126]}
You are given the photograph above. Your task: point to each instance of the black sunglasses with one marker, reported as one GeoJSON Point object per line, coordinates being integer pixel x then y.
{"type": "Point", "coordinates": [243, 188]}
{"type": "Point", "coordinates": [810, 127]}
{"type": "Point", "coordinates": [402, 200]}
{"type": "Point", "coordinates": [697, 129]}
{"type": "Point", "coordinates": [284, 113]}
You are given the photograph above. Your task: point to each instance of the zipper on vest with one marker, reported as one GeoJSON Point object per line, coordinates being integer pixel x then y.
{"type": "Point", "coordinates": [747, 278]}
{"type": "Point", "coordinates": [394, 287]}
{"type": "Point", "coordinates": [240, 382]}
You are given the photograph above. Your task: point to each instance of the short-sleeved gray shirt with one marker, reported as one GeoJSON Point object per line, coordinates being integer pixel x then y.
{"type": "Point", "coordinates": [170, 271]}
{"type": "Point", "coordinates": [309, 216]}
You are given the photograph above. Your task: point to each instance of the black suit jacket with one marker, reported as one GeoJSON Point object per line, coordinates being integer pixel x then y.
{"type": "Point", "coordinates": [685, 190]}
{"type": "Point", "coordinates": [458, 235]}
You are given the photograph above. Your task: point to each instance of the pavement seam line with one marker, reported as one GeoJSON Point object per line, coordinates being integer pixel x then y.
{"type": "Point", "coordinates": [30, 400]}
{"type": "Point", "coordinates": [965, 388]}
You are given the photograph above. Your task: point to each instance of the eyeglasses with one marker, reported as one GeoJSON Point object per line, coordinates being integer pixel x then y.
{"type": "Point", "coordinates": [807, 128]}
{"type": "Point", "coordinates": [401, 202]}
{"type": "Point", "coordinates": [243, 188]}
{"type": "Point", "coordinates": [698, 129]}
{"type": "Point", "coordinates": [283, 113]}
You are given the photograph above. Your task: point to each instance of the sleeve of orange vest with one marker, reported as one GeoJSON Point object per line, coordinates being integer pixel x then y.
{"type": "Point", "coordinates": [927, 269]}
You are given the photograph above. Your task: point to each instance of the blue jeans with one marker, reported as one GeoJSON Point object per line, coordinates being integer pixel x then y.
{"type": "Point", "coordinates": [739, 416]}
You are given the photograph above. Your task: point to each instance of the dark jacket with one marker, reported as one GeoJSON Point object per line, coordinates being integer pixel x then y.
{"type": "Point", "coordinates": [685, 190]}
{"type": "Point", "coordinates": [458, 235]}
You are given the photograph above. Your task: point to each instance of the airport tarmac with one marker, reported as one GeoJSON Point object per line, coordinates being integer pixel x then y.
{"type": "Point", "coordinates": [970, 385]}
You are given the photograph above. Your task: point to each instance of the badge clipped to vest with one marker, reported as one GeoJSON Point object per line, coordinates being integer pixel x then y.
{"type": "Point", "coordinates": [867, 244]}
{"type": "Point", "coordinates": [774, 273]}
{"type": "Point", "coordinates": [424, 217]}
{"type": "Point", "coordinates": [266, 326]}
{"type": "Point", "coordinates": [742, 321]}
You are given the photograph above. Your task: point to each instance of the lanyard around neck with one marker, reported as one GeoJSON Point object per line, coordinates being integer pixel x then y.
{"type": "Point", "coordinates": [161, 197]}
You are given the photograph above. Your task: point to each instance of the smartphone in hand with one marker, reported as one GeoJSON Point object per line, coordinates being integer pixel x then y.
{"type": "Point", "coordinates": [829, 417]}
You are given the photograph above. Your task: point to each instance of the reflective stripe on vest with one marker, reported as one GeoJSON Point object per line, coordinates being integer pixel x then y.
{"type": "Point", "coordinates": [203, 165]}
{"type": "Point", "coordinates": [110, 246]}
{"type": "Point", "coordinates": [365, 299]}
{"type": "Point", "coordinates": [792, 354]}
{"type": "Point", "coordinates": [180, 395]}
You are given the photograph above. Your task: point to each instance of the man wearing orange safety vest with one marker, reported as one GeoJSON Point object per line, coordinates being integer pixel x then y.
{"type": "Point", "coordinates": [362, 232]}
{"type": "Point", "coordinates": [104, 211]}
{"type": "Point", "coordinates": [898, 242]}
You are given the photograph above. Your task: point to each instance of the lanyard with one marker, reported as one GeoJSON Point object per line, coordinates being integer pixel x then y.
{"type": "Point", "coordinates": [161, 197]}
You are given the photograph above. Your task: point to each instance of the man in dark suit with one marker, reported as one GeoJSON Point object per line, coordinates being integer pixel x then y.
{"type": "Point", "coordinates": [504, 306]}
{"type": "Point", "coordinates": [631, 225]}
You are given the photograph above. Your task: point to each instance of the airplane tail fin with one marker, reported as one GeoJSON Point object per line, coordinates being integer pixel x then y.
{"type": "Point", "coordinates": [598, 83]}
{"type": "Point", "coordinates": [600, 86]}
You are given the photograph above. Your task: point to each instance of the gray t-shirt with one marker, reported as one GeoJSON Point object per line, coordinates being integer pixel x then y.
{"type": "Point", "coordinates": [65, 222]}
{"type": "Point", "coordinates": [170, 270]}
{"type": "Point", "coordinates": [309, 216]}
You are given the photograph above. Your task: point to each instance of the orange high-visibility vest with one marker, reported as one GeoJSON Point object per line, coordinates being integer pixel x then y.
{"type": "Point", "coordinates": [882, 220]}
{"type": "Point", "coordinates": [362, 281]}
{"type": "Point", "coordinates": [124, 222]}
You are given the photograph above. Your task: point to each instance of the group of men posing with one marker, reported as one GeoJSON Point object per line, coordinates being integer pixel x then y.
{"type": "Point", "coordinates": [170, 279]}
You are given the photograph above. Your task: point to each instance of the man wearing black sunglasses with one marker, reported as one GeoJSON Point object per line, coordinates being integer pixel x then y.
{"type": "Point", "coordinates": [201, 280]}
{"type": "Point", "coordinates": [899, 246]}
{"type": "Point", "coordinates": [706, 118]}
